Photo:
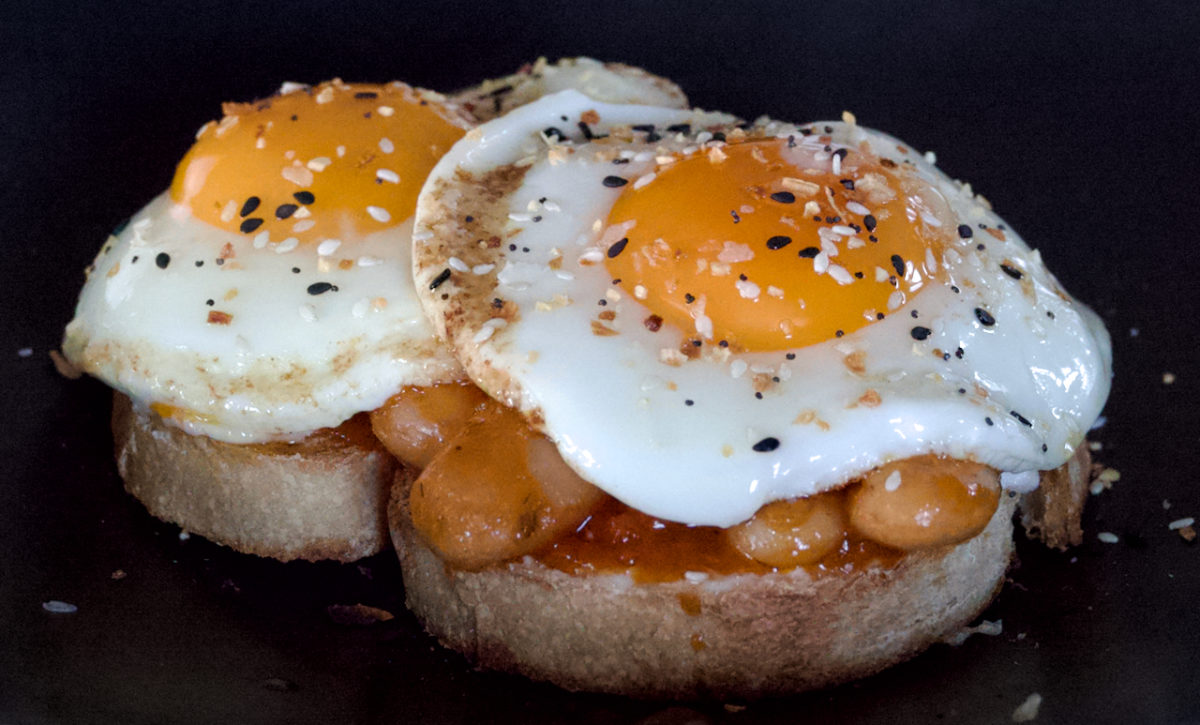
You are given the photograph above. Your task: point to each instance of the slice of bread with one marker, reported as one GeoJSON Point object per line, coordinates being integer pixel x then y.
{"type": "Point", "coordinates": [324, 497]}
{"type": "Point", "coordinates": [729, 636]}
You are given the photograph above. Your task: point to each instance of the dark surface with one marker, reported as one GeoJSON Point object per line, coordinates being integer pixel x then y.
{"type": "Point", "coordinates": [1078, 124]}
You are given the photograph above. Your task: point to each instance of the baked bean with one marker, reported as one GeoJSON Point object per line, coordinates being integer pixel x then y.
{"type": "Point", "coordinates": [415, 423]}
{"type": "Point", "coordinates": [924, 502]}
{"type": "Point", "coordinates": [792, 533]}
{"type": "Point", "coordinates": [496, 491]}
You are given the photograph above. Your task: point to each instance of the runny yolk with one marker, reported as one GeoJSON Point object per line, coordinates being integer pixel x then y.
{"type": "Point", "coordinates": [330, 162]}
{"type": "Point", "coordinates": [765, 247]}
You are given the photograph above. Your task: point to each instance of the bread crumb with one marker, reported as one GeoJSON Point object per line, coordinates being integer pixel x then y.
{"type": "Point", "coordinates": [357, 614]}
{"type": "Point", "coordinates": [64, 366]}
{"type": "Point", "coordinates": [118, 575]}
{"type": "Point", "coordinates": [730, 707]}
{"type": "Point", "coordinates": [1188, 533]}
{"type": "Point", "coordinates": [1028, 711]}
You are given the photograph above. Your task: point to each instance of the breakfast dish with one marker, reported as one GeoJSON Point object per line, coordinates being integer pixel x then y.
{"type": "Point", "coordinates": [797, 381]}
{"type": "Point", "coordinates": [253, 316]}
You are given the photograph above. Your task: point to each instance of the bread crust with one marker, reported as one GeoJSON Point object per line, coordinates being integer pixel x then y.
{"type": "Point", "coordinates": [314, 500]}
{"type": "Point", "coordinates": [742, 636]}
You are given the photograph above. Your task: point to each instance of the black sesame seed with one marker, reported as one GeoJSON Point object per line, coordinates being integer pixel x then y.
{"type": "Point", "coordinates": [304, 197]}
{"type": "Point", "coordinates": [959, 353]}
{"type": "Point", "coordinates": [988, 420]}
{"type": "Point", "coordinates": [985, 318]}
{"type": "Point", "coordinates": [778, 242]}
{"type": "Point", "coordinates": [838, 333]}
{"type": "Point", "coordinates": [588, 134]}
{"type": "Point", "coordinates": [615, 182]}
{"type": "Point", "coordinates": [468, 219]}
{"type": "Point", "coordinates": [718, 136]}
{"type": "Point", "coordinates": [898, 264]}
{"type": "Point", "coordinates": [220, 261]}
{"type": "Point", "coordinates": [784, 197]}
{"type": "Point", "coordinates": [295, 270]}
{"type": "Point", "coordinates": [809, 252]}
{"type": "Point", "coordinates": [920, 333]}
{"type": "Point", "coordinates": [735, 216]}
{"type": "Point", "coordinates": [689, 298]}
{"type": "Point", "coordinates": [618, 247]}
{"type": "Point", "coordinates": [366, 94]}
{"type": "Point", "coordinates": [879, 315]}
{"type": "Point", "coordinates": [1011, 271]}
{"type": "Point", "coordinates": [790, 356]}
{"type": "Point", "coordinates": [162, 260]}
{"type": "Point", "coordinates": [250, 225]}
{"type": "Point", "coordinates": [962, 391]}
{"type": "Point", "coordinates": [723, 343]}
{"type": "Point", "coordinates": [841, 152]}
{"type": "Point", "coordinates": [965, 232]}
{"type": "Point", "coordinates": [643, 127]}
{"type": "Point", "coordinates": [697, 343]}
{"type": "Point", "coordinates": [552, 132]}
{"type": "Point", "coordinates": [250, 205]}
{"type": "Point", "coordinates": [954, 288]}
{"type": "Point", "coordinates": [1050, 314]}
{"type": "Point", "coordinates": [766, 445]}
{"type": "Point", "coordinates": [758, 396]}
{"type": "Point", "coordinates": [438, 280]}
{"type": "Point", "coordinates": [689, 402]}
{"type": "Point", "coordinates": [199, 262]}
{"type": "Point", "coordinates": [283, 211]}
{"type": "Point", "coordinates": [1044, 448]}
{"type": "Point", "coordinates": [914, 314]}
{"type": "Point", "coordinates": [743, 277]}
{"type": "Point", "coordinates": [497, 303]}
{"type": "Point", "coordinates": [1023, 420]}
{"type": "Point", "coordinates": [858, 275]}
{"type": "Point", "coordinates": [320, 288]}
{"type": "Point", "coordinates": [680, 128]}
{"type": "Point", "coordinates": [848, 183]}
{"type": "Point", "coordinates": [981, 246]}
{"type": "Point", "coordinates": [134, 260]}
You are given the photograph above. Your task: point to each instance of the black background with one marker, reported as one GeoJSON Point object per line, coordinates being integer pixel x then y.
{"type": "Point", "coordinates": [1078, 121]}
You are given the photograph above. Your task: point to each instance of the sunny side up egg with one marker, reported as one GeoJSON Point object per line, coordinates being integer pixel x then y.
{"type": "Point", "coordinates": [269, 292]}
{"type": "Point", "coordinates": [706, 317]}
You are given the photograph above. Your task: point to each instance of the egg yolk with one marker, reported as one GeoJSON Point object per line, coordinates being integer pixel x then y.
{"type": "Point", "coordinates": [333, 161]}
{"type": "Point", "coordinates": [764, 246]}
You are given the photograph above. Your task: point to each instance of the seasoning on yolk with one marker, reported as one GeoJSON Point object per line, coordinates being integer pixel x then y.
{"type": "Point", "coordinates": [771, 247]}
{"type": "Point", "coordinates": [337, 160]}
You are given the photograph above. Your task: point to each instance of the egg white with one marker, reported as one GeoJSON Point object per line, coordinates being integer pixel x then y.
{"type": "Point", "coordinates": [288, 361]}
{"type": "Point", "coordinates": [1031, 384]}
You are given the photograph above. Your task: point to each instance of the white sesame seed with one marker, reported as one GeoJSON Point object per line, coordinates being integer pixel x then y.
{"type": "Point", "coordinates": [379, 214]}
{"type": "Point", "coordinates": [695, 577]}
{"type": "Point", "coordinates": [1108, 537]}
{"type": "Point", "coordinates": [457, 264]}
{"type": "Point", "coordinates": [774, 291]}
{"type": "Point", "coordinates": [386, 145]}
{"type": "Point", "coordinates": [319, 163]}
{"type": "Point", "coordinates": [551, 206]}
{"type": "Point", "coordinates": [520, 217]}
{"type": "Point", "coordinates": [738, 368]}
{"type": "Point", "coordinates": [639, 292]}
{"type": "Point", "coordinates": [261, 239]}
{"type": "Point", "coordinates": [328, 247]}
{"type": "Point", "coordinates": [855, 243]}
{"type": "Point", "coordinates": [54, 606]}
{"type": "Point", "coordinates": [840, 274]}
{"type": "Point", "coordinates": [298, 175]}
{"type": "Point", "coordinates": [341, 151]}
{"type": "Point", "coordinates": [930, 219]}
{"type": "Point", "coordinates": [643, 180]}
{"type": "Point", "coordinates": [1178, 524]}
{"type": "Point", "coordinates": [895, 299]}
{"type": "Point", "coordinates": [821, 263]}
{"type": "Point", "coordinates": [857, 208]}
{"type": "Point", "coordinates": [228, 211]}
{"type": "Point", "coordinates": [25, 352]}
{"type": "Point", "coordinates": [387, 175]}
{"type": "Point", "coordinates": [308, 313]}
{"type": "Point", "coordinates": [360, 308]}
{"type": "Point", "coordinates": [303, 225]}
{"type": "Point", "coordinates": [385, 111]}
{"type": "Point", "coordinates": [287, 245]}
{"type": "Point", "coordinates": [837, 163]}
{"type": "Point", "coordinates": [843, 230]}
{"type": "Point", "coordinates": [326, 95]}
{"type": "Point", "coordinates": [368, 261]}
{"type": "Point", "coordinates": [302, 213]}
{"type": "Point", "coordinates": [893, 481]}
{"type": "Point", "coordinates": [930, 157]}
{"type": "Point", "coordinates": [481, 269]}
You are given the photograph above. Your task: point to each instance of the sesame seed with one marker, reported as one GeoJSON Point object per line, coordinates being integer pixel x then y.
{"type": "Point", "coordinates": [283, 211]}
{"type": "Point", "coordinates": [784, 197]}
{"type": "Point", "coordinates": [898, 264]}
{"type": "Point", "coordinates": [162, 260]}
{"type": "Point", "coordinates": [250, 225]}
{"type": "Point", "coordinates": [250, 205]}
{"type": "Point", "coordinates": [320, 288]}
{"type": "Point", "coordinates": [379, 214]}
{"type": "Point", "coordinates": [809, 252]}
{"type": "Point", "coordinates": [386, 145]}
{"type": "Point", "coordinates": [304, 197]}
{"type": "Point", "coordinates": [387, 175]}
{"type": "Point", "coordinates": [617, 247]}
{"type": "Point", "coordinates": [920, 333]}
{"type": "Point", "coordinates": [768, 444]}
{"type": "Point", "coordinates": [440, 279]}
{"type": "Point", "coordinates": [779, 242]}
{"type": "Point", "coordinates": [1023, 420]}
{"type": "Point", "coordinates": [985, 318]}
{"type": "Point", "coordinates": [965, 232]}
{"type": "Point", "coordinates": [1011, 271]}
{"type": "Point", "coordinates": [615, 182]}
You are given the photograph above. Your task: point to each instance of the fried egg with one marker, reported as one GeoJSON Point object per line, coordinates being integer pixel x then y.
{"type": "Point", "coordinates": [269, 292]}
{"type": "Point", "coordinates": [707, 316]}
